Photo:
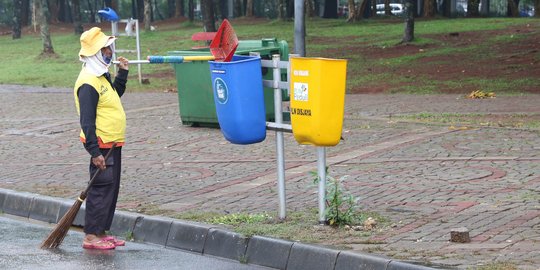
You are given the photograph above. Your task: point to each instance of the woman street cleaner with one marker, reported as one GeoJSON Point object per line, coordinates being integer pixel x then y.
{"type": "Point", "coordinates": [103, 123]}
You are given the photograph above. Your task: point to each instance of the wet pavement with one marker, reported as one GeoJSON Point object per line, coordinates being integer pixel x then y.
{"type": "Point", "coordinates": [427, 179]}
{"type": "Point", "coordinates": [20, 250]}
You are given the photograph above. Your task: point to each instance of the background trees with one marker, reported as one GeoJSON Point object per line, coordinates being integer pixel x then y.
{"type": "Point", "coordinates": [16, 14]}
{"type": "Point", "coordinates": [20, 13]}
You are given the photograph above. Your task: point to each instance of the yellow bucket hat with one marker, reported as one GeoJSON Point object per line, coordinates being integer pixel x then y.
{"type": "Point", "coordinates": [93, 40]}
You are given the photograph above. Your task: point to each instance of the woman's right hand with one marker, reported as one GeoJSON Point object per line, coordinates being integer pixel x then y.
{"type": "Point", "coordinates": [99, 162]}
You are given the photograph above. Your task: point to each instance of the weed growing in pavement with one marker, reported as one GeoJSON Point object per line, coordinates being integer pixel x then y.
{"type": "Point", "coordinates": [237, 218]}
{"type": "Point", "coordinates": [298, 226]}
{"type": "Point", "coordinates": [243, 259]}
{"type": "Point", "coordinates": [341, 206]}
{"type": "Point", "coordinates": [497, 266]}
{"type": "Point", "coordinates": [129, 236]}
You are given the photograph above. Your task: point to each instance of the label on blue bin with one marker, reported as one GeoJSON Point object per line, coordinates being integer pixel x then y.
{"type": "Point", "coordinates": [222, 92]}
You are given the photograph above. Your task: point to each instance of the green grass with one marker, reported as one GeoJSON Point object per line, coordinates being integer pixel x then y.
{"type": "Point", "coordinates": [528, 121]}
{"type": "Point", "coordinates": [298, 226]}
{"type": "Point", "coordinates": [22, 63]}
{"type": "Point", "coordinates": [497, 266]}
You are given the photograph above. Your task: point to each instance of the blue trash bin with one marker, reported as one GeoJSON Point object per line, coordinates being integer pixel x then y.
{"type": "Point", "coordinates": [239, 99]}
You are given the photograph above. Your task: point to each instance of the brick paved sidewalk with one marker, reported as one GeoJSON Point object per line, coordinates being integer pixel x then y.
{"type": "Point", "coordinates": [426, 178]}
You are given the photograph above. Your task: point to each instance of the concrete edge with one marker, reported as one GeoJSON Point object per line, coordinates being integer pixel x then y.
{"type": "Point", "coordinates": [268, 252]}
{"type": "Point", "coordinates": [203, 238]}
{"type": "Point", "coordinates": [226, 244]}
{"type": "Point", "coordinates": [3, 195]}
{"type": "Point", "coordinates": [187, 235]}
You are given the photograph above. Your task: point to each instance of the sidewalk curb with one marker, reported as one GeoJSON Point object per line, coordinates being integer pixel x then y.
{"type": "Point", "coordinates": [204, 239]}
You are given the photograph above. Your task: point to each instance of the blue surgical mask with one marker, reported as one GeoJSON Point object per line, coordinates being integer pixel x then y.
{"type": "Point", "coordinates": [107, 59]}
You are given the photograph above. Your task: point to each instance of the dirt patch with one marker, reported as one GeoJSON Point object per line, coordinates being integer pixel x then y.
{"type": "Point", "coordinates": [467, 70]}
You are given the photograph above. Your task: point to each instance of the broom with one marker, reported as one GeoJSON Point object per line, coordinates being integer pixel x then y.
{"type": "Point", "coordinates": [59, 232]}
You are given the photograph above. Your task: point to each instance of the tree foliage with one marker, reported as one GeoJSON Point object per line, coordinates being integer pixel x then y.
{"type": "Point", "coordinates": [78, 12]}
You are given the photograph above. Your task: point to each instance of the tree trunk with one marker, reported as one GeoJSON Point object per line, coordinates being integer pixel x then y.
{"type": "Point", "coordinates": [207, 9]}
{"type": "Point", "coordinates": [362, 10]}
{"type": "Point", "coordinates": [330, 9]}
{"type": "Point", "coordinates": [409, 22]}
{"type": "Point", "coordinates": [310, 8]}
{"type": "Point", "coordinates": [92, 15]}
{"type": "Point", "coordinates": [147, 14]}
{"type": "Point", "coordinates": [134, 9]}
{"type": "Point", "coordinates": [537, 8]}
{"type": "Point", "coordinates": [473, 8]}
{"type": "Point", "coordinates": [353, 15]}
{"type": "Point", "coordinates": [224, 9]}
{"type": "Point", "coordinates": [114, 5]}
{"type": "Point", "coordinates": [17, 13]}
{"type": "Point", "coordinates": [171, 9]}
{"type": "Point", "coordinates": [249, 8]}
{"type": "Point", "coordinates": [373, 8]}
{"type": "Point", "coordinates": [387, 8]}
{"type": "Point", "coordinates": [238, 8]}
{"type": "Point", "coordinates": [289, 7]}
{"type": "Point", "coordinates": [513, 8]}
{"type": "Point", "coordinates": [52, 11]}
{"type": "Point", "coordinates": [446, 8]}
{"type": "Point", "coordinates": [25, 12]}
{"type": "Point", "coordinates": [64, 12]}
{"type": "Point", "coordinates": [430, 8]}
{"type": "Point", "coordinates": [178, 8]}
{"type": "Point", "coordinates": [160, 16]}
{"type": "Point", "coordinates": [191, 11]}
{"type": "Point", "coordinates": [76, 14]}
{"type": "Point", "coordinates": [140, 10]}
{"type": "Point", "coordinates": [281, 8]}
{"type": "Point", "coordinates": [43, 19]}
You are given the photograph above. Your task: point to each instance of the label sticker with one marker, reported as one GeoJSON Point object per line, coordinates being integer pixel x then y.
{"type": "Point", "coordinates": [300, 91]}
{"type": "Point", "coordinates": [299, 111]}
{"type": "Point", "coordinates": [222, 92]}
{"type": "Point", "coordinates": [303, 73]}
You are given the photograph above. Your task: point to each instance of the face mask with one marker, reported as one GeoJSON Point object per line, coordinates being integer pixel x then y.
{"type": "Point", "coordinates": [106, 59]}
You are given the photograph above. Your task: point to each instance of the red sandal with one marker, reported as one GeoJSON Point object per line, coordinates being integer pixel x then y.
{"type": "Point", "coordinates": [116, 242]}
{"type": "Point", "coordinates": [100, 244]}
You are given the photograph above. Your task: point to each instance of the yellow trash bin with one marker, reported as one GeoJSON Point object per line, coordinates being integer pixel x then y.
{"type": "Point", "coordinates": [317, 99]}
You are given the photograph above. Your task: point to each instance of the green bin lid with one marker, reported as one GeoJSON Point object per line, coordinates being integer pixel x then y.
{"type": "Point", "coordinates": [264, 46]}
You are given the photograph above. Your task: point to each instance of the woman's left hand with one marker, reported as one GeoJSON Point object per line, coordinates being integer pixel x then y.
{"type": "Point", "coordinates": [123, 63]}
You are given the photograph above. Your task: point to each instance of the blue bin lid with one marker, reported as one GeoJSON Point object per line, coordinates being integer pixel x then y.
{"type": "Point", "coordinates": [108, 14]}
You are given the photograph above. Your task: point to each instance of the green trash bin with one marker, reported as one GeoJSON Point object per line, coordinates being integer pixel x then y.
{"type": "Point", "coordinates": [195, 94]}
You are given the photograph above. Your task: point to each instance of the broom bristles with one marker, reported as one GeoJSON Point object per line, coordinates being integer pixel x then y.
{"type": "Point", "coordinates": [59, 232]}
{"type": "Point", "coordinates": [57, 235]}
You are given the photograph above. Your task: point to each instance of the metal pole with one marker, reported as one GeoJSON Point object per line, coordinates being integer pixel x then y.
{"type": "Point", "coordinates": [114, 32]}
{"type": "Point", "coordinates": [138, 49]}
{"type": "Point", "coordinates": [278, 113]}
{"type": "Point", "coordinates": [321, 172]}
{"type": "Point", "coordinates": [299, 28]}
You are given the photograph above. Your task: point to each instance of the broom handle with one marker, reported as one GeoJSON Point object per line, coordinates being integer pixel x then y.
{"type": "Point", "coordinates": [82, 197]}
{"type": "Point", "coordinates": [171, 59]}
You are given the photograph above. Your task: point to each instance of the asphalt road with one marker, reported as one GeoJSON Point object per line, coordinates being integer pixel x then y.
{"type": "Point", "coordinates": [21, 238]}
